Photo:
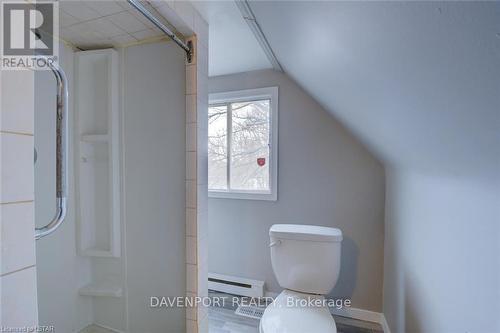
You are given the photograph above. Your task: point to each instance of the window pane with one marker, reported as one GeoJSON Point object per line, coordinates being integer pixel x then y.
{"type": "Point", "coordinates": [250, 146]}
{"type": "Point", "coordinates": [217, 147]}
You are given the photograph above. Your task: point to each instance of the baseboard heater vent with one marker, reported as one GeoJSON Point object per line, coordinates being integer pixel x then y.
{"type": "Point", "coordinates": [235, 285]}
{"type": "Point", "coordinates": [250, 311]}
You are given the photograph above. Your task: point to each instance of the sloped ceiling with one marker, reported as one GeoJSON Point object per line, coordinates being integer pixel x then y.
{"type": "Point", "coordinates": [417, 82]}
{"type": "Point", "coordinates": [233, 48]}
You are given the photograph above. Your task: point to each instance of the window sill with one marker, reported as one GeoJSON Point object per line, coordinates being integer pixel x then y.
{"type": "Point", "coordinates": [243, 195]}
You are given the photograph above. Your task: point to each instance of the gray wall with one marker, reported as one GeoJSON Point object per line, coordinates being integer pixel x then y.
{"type": "Point", "coordinates": [442, 254]}
{"type": "Point", "coordinates": [416, 81]}
{"type": "Point", "coordinates": [326, 177]}
{"type": "Point", "coordinates": [154, 183]}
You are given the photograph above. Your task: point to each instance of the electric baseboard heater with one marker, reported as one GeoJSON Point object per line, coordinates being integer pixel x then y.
{"type": "Point", "coordinates": [235, 285]}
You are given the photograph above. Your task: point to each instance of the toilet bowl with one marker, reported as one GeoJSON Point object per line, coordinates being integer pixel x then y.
{"type": "Point", "coordinates": [306, 262]}
{"type": "Point", "coordinates": [287, 315]}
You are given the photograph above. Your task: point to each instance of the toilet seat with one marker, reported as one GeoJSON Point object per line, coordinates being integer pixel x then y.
{"type": "Point", "coordinates": [289, 314]}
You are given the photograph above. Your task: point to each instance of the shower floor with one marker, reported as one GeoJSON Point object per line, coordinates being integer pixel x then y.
{"type": "Point", "coordinates": [96, 329]}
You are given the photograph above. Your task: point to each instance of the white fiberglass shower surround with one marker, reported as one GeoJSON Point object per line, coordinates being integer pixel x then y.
{"type": "Point", "coordinates": [129, 197]}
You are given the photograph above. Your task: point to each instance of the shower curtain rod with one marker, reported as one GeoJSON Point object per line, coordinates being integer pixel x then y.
{"type": "Point", "coordinates": [187, 47]}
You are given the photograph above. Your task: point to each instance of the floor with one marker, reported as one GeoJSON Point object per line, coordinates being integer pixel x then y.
{"type": "Point", "coordinates": [224, 320]}
{"type": "Point", "coordinates": [95, 329]}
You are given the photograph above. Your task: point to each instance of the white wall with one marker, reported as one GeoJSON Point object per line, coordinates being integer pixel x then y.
{"type": "Point", "coordinates": [60, 271]}
{"type": "Point", "coordinates": [18, 301]}
{"type": "Point", "coordinates": [442, 254]}
{"type": "Point", "coordinates": [153, 117]}
{"type": "Point", "coordinates": [154, 183]}
{"type": "Point", "coordinates": [326, 177]}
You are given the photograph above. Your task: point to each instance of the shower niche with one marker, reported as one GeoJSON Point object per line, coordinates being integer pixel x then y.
{"type": "Point", "coordinates": [98, 153]}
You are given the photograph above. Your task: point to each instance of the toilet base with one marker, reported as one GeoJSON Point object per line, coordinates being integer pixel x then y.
{"type": "Point", "coordinates": [294, 312]}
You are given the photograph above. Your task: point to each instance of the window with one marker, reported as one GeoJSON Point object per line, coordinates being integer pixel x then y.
{"type": "Point", "coordinates": [243, 144]}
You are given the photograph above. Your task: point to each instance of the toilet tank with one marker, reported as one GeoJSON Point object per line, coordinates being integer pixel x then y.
{"type": "Point", "coordinates": [305, 258]}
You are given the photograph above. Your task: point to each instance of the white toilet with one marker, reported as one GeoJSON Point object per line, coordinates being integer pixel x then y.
{"type": "Point", "coordinates": [306, 262]}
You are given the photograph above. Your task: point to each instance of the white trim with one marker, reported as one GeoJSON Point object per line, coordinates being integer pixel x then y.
{"type": "Point", "coordinates": [355, 313]}
{"type": "Point", "coordinates": [271, 93]}
{"type": "Point", "coordinates": [362, 314]}
{"type": "Point", "coordinates": [385, 325]}
{"type": "Point", "coordinates": [249, 17]}
{"type": "Point", "coordinates": [242, 195]}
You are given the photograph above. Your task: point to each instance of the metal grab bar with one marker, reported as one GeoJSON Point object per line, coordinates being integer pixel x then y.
{"type": "Point", "coordinates": [61, 153]}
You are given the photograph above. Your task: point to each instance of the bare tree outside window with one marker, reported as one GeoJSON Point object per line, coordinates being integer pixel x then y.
{"type": "Point", "coordinates": [239, 132]}
{"type": "Point", "coordinates": [249, 145]}
{"type": "Point", "coordinates": [217, 147]}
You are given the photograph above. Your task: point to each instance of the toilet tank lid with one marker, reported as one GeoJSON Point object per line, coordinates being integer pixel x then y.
{"type": "Point", "coordinates": [306, 232]}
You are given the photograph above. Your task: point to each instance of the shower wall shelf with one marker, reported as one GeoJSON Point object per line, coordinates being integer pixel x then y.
{"type": "Point", "coordinates": [100, 290]}
{"type": "Point", "coordinates": [95, 138]}
{"type": "Point", "coordinates": [97, 148]}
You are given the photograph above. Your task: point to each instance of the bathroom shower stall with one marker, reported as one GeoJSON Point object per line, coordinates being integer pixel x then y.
{"type": "Point", "coordinates": [123, 238]}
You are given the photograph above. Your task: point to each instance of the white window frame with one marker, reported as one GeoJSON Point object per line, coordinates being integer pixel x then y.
{"type": "Point", "coordinates": [270, 93]}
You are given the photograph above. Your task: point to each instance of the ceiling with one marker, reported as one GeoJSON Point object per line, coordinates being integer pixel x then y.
{"type": "Point", "coordinates": [98, 24]}
{"type": "Point", "coordinates": [417, 82]}
{"type": "Point", "coordinates": [233, 47]}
